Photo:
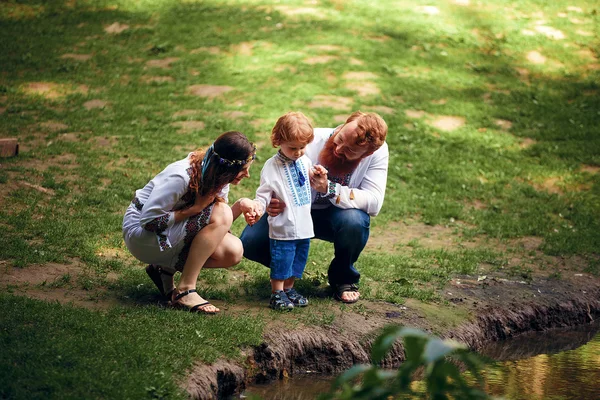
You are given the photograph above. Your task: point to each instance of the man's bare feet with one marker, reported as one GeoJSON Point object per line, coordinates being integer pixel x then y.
{"type": "Point", "coordinates": [346, 292]}
{"type": "Point", "coordinates": [350, 297]}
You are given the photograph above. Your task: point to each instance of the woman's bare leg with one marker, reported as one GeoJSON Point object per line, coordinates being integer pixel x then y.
{"type": "Point", "coordinates": [227, 254]}
{"type": "Point", "coordinates": [203, 246]}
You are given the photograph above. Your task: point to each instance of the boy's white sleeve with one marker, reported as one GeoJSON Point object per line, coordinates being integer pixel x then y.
{"type": "Point", "coordinates": [264, 191]}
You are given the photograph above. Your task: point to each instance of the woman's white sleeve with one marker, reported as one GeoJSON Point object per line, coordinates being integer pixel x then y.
{"type": "Point", "coordinates": [264, 191]}
{"type": "Point", "coordinates": [157, 214]}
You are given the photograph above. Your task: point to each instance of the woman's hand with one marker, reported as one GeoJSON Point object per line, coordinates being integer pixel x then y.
{"type": "Point", "coordinates": [200, 204]}
{"type": "Point", "coordinates": [318, 178]}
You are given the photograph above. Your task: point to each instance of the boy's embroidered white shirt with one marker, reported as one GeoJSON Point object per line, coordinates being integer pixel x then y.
{"type": "Point", "coordinates": [367, 182]}
{"type": "Point", "coordinates": [279, 179]}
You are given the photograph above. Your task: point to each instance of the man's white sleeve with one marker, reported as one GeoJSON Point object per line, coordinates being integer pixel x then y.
{"type": "Point", "coordinates": [369, 194]}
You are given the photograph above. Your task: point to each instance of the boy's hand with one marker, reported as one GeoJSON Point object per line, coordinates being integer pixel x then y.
{"type": "Point", "coordinates": [319, 170]}
{"type": "Point", "coordinates": [251, 218]}
{"type": "Point", "coordinates": [318, 178]}
{"type": "Point", "coordinates": [251, 210]}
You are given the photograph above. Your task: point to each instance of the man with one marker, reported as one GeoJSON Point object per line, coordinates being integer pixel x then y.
{"type": "Point", "coordinates": [356, 157]}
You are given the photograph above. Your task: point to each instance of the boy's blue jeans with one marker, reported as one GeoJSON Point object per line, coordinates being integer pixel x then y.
{"type": "Point", "coordinates": [288, 258]}
{"type": "Point", "coordinates": [347, 229]}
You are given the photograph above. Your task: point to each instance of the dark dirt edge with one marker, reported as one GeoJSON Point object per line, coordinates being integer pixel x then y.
{"type": "Point", "coordinates": [327, 351]}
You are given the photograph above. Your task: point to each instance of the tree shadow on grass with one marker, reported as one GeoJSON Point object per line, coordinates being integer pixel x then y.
{"type": "Point", "coordinates": [552, 109]}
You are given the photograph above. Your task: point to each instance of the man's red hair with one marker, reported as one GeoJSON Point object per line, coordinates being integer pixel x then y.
{"type": "Point", "coordinates": [371, 129]}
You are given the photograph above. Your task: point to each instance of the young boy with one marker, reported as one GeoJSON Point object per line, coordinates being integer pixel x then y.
{"type": "Point", "coordinates": [285, 176]}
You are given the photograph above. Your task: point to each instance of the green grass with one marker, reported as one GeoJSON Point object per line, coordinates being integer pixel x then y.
{"type": "Point", "coordinates": [59, 351]}
{"type": "Point", "coordinates": [63, 197]}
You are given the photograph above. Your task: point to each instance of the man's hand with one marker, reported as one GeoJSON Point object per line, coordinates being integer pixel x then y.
{"type": "Point", "coordinates": [318, 178]}
{"type": "Point", "coordinates": [275, 207]}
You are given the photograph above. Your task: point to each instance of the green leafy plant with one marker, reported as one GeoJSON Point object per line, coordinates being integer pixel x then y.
{"type": "Point", "coordinates": [438, 360]}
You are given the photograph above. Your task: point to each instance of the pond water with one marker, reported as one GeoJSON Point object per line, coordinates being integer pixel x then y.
{"type": "Point", "coordinates": [560, 364]}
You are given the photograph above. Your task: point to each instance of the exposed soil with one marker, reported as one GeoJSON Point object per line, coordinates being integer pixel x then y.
{"type": "Point", "coordinates": [51, 90]}
{"type": "Point", "coordinates": [209, 91]}
{"type": "Point", "coordinates": [359, 76]}
{"type": "Point", "coordinates": [164, 63]}
{"type": "Point", "coordinates": [115, 28]}
{"type": "Point", "coordinates": [448, 122]}
{"type": "Point", "coordinates": [364, 88]}
{"type": "Point", "coordinates": [380, 109]}
{"type": "Point", "coordinates": [189, 126]}
{"type": "Point", "coordinates": [77, 57]}
{"type": "Point", "coordinates": [445, 123]}
{"type": "Point", "coordinates": [319, 59]}
{"type": "Point", "coordinates": [335, 102]}
{"type": "Point", "coordinates": [52, 282]}
{"type": "Point", "coordinates": [96, 103]}
{"type": "Point", "coordinates": [157, 79]}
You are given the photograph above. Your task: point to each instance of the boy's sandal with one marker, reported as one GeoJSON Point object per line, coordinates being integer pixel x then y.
{"type": "Point", "coordinates": [154, 272]}
{"type": "Point", "coordinates": [338, 291]}
{"type": "Point", "coordinates": [198, 308]}
{"type": "Point", "coordinates": [280, 301]}
{"type": "Point", "coordinates": [296, 298]}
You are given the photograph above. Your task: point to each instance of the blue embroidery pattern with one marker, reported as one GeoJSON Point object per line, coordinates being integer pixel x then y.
{"type": "Point", "coordinates": [300, 194]}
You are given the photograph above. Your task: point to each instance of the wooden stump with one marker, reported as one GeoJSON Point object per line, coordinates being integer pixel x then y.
{"type": "Point", "coordinates": [9, 147]}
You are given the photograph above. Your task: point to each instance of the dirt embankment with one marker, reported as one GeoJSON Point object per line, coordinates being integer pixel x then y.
{"type": "Point", "coordinates": [497, 309]}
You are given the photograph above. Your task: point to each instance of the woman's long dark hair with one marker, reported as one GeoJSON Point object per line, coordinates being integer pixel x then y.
{"type": "Point", "coordinates": [232, 151]}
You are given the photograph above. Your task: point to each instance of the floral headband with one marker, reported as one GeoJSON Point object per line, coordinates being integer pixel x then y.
{"type": "Point", "coordinates": [229, 163]}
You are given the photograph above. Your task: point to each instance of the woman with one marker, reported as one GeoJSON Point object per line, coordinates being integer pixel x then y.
{"type": "Point", "coordinates": [180, 220]}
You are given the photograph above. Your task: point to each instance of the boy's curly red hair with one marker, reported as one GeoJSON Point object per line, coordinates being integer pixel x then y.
{"type": "Point", "coordinates": [292, 127]}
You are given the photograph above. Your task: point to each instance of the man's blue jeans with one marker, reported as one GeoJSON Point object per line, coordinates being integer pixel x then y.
{"type": "Point", "coordinates": [348, 230]}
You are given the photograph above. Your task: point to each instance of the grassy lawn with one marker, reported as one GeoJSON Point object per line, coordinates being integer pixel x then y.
{"type": "Point", "coordinates": [494, 116]}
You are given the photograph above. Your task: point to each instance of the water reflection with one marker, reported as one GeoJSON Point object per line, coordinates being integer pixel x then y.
{"type": "Point", "coordinates": [301, 388]}
{"type": "Point", "coordinates": [562, 364]}
{"type": "Point", "coordinates": [567, 370]}
{"type": "Point", "coordinates": [532, 344]}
